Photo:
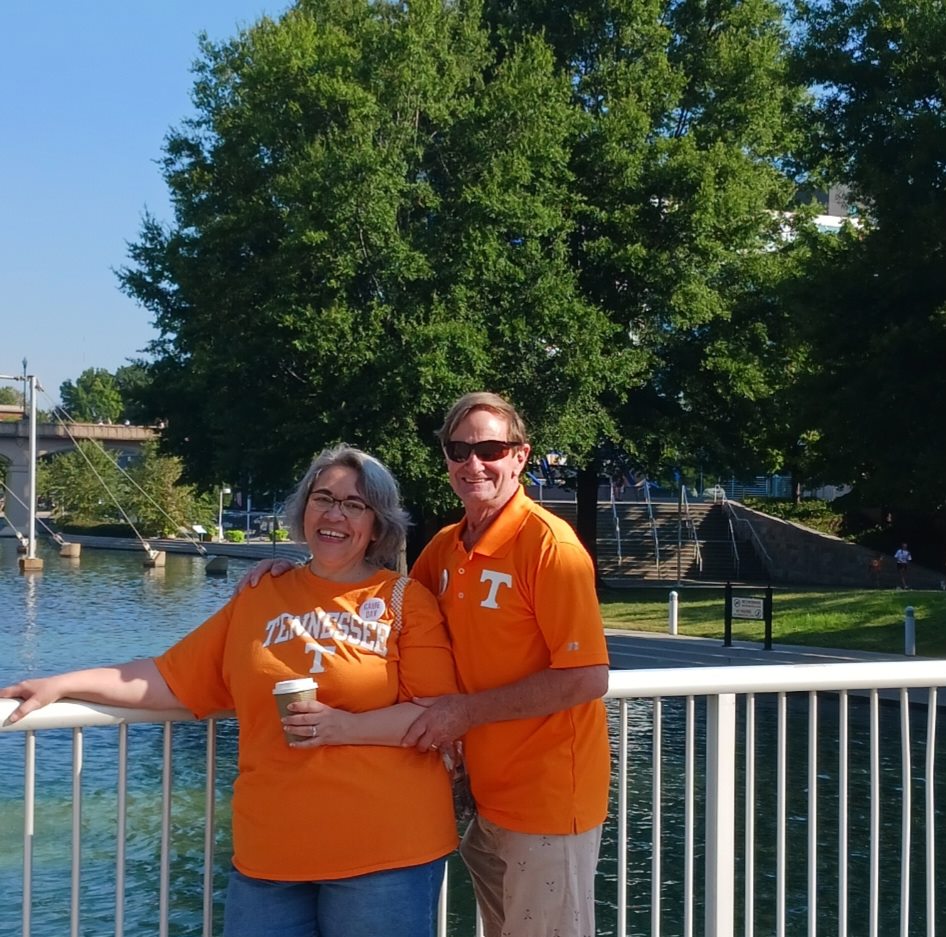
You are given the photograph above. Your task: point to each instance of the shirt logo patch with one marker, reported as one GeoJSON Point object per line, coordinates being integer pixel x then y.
{"type": "Point", "coordinates": [495, 580]}
{"type": "Point", "coordinates": [372, 609]}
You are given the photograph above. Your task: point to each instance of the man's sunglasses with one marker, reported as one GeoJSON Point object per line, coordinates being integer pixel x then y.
{"type": "Point", "coordinates": [489, 450]}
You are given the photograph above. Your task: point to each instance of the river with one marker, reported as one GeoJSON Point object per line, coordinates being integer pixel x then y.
{"type": "Point", "coordinates": [108, 607]}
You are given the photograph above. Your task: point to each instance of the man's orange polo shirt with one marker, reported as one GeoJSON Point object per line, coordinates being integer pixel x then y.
{"type": "Point", "coordinates": [524, 600]}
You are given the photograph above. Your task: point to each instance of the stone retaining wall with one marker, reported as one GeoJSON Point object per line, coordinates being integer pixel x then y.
{"type": "Point", "coordinates": [798, 555]}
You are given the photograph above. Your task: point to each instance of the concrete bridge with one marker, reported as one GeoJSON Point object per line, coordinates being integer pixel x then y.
{"type": "Point", "coordinates": [52, 438]}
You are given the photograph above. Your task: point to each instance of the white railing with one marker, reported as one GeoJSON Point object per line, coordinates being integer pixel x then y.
{"type": "Point", "coordinates": [735, 712]}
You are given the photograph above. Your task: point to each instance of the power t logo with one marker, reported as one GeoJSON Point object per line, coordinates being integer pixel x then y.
{"type": "Point", "coordinates": [495, 580]}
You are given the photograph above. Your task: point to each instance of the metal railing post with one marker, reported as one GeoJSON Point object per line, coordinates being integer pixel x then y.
{"type": "Point", "coordinates": [720, 815]}
{"type": "Point", "coordinates": [909, 632]}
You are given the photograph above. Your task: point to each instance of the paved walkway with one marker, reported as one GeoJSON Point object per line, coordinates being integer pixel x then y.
{"type": "Point", "coordinates": [639, 650]}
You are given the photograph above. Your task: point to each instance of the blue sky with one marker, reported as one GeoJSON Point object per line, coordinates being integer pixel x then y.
{"type": "Point", "coordinates": [89, 90]}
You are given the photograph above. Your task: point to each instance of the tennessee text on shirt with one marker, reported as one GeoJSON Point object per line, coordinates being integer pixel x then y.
{"type": "Point", "coordinates": [335, 626]}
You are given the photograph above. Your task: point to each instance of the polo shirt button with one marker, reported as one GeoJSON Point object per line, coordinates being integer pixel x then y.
{"type": "Point", "coordinates": [461, 570]}
{"type": "Point", "coordinates": [460, 595]}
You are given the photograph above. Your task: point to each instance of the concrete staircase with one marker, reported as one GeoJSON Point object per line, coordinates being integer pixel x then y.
{"type": "Point", "coordinates": [632, 549]}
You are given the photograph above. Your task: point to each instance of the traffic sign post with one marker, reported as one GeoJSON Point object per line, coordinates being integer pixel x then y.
{"type": "Point", "coordinates": [751, 608]}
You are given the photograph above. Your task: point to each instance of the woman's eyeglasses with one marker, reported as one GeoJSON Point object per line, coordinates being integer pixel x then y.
{"type": "Point", "coordinates": [488, 450]}
{"type": "Point", "coordinates": [352, 508]}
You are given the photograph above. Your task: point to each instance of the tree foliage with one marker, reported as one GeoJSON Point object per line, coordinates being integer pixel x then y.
{"type": "Point", "coordinates": [687, 112]}
{"type": "Point", "coordinates": [875, 298]}
{"type": "Point", "coordinates": [88, 486]}
{"type": "Point", "coordinates": [82, 484]}
{"type": "Point", "coordinates": [365, 227]}
{"type": "Point", "coordinates": [158, 502]}
{"type": "Point", "coordinates": [94, 397]}
{"type": "Point", "coordinates": [379, 206]}
{"type": "Point", "coordinates": [10, 396]}
{"type": "Point", "coordinates": [133, 382]}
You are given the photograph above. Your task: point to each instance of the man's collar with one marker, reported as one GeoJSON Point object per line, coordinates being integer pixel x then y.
{"type": "Point", "coordinates": [498, 537]}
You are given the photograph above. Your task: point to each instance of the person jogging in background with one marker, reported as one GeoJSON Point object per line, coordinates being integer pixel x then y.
{"type": "Point", "coordinates": [903, 558]}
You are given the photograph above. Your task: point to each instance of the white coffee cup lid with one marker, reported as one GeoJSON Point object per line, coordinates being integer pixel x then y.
{"type": "Point", "coordinates": [296, 685]}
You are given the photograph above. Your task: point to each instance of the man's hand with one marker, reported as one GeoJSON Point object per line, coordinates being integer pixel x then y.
{"type": "Point", "coordinates": [253, 576]}
{"type": "Point", "coordinates": [444, 720]}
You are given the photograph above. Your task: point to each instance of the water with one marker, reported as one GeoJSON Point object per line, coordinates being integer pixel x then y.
{"type": "Point", "coordinates": [103, 609]}
{"type": "Point", "coordinates": [108, 608]}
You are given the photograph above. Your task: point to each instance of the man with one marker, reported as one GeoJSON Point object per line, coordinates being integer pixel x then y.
{"type": "Point", "coordinates": [903, 558]}
{"type": "Point", "coordinates": [517, 590]}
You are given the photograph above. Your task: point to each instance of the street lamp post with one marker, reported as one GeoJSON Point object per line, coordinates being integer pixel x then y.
{"type": "Point", "coordinates": [224, 490]}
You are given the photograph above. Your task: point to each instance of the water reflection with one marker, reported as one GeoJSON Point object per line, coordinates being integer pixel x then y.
{"type": "Point", "coordinates": [30, 585]}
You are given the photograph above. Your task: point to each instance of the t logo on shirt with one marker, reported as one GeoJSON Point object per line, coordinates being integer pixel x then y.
{"type": "Point", "coordinates": [495, 580]}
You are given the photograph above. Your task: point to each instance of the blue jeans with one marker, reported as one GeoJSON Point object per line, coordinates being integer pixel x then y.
{"type": "Point", "coordinates": [392, 903]}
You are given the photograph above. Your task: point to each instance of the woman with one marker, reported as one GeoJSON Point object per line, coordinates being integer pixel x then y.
{"type": "Point", "coordinates": [329, 840]}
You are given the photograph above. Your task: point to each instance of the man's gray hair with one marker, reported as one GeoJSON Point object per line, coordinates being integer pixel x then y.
{"type": "Point", "coordinates": [483, 400]}
{"type": "Point", "coordinates": [375, 484]}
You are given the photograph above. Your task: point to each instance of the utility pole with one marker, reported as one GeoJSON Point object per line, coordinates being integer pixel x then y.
{"type": "Point", "coordinates": [31, 562]}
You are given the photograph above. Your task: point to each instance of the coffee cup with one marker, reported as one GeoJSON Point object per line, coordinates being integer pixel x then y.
{"type": "Point", "coordinates": [291, 691]}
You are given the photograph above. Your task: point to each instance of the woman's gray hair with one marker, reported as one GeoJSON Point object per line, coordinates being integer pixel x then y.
{"type": "Point", "coordinates": [379, 489]}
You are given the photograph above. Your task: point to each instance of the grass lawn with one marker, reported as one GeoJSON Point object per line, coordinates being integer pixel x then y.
{"type": "Point", "coordinates": [840, 618]}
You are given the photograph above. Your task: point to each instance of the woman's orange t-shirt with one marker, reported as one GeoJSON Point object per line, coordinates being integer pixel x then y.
{"type": "Point", "coordinates": [337, 811]}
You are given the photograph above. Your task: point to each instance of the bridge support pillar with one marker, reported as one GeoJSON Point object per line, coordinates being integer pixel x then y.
{"type": "Point", "coordinates": [17, 499]}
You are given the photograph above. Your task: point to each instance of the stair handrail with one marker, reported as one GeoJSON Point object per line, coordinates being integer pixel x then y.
{"type": "Point", "coordinates": [757, 543]}
{"type": "Point", "coordinates": [653, 525]}
{"type": "Point", "coordinates": [691, 529]}
{"type": "Point", "coordinates": [617, 524]}
{"type": "Point", "coordinates": [733, 546]}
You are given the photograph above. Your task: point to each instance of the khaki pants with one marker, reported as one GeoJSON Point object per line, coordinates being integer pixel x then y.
{"type": "Point", "coordinates": [530, 885]}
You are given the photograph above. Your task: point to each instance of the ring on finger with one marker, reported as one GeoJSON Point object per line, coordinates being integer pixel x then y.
{"type": "Point", "coordinates": [315, 731]}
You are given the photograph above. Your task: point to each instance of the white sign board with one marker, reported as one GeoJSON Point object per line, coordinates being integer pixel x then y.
{"type": "Point", "coordinates": [748, 608]}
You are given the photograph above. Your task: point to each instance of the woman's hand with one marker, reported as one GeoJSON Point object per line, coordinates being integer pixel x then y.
{"type": "Point", "coordinates": [316, 724]}
{"type": "Point", "coordinates": [136, 684]}
{"type": "Point", "coordinates": [253, 576]}
{"type": "Point", "coordinates": [34, 693]}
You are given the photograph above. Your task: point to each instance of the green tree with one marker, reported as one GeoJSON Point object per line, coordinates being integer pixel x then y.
{"type": "Point", "coordinates": [82, 485]}
{"type": "Point", "coordinates": [133, 382]}
{"type": "Point", "coordinates": [10, 396]}
{"type": "Point", "coordinates": [93, 398]}
{"type": "Point", "coordinates": [688, 114]}
{"type": "Point", "coordinates": [875, 298]}
{"type": "Point", "coordinates": [159, 504]}
{"type": "Point", "coordinates": [378, 207]}
{"type": "Point", "coordinates": [370, 218]}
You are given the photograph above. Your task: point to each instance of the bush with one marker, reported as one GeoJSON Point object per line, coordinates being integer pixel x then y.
{"type": "Point", "coordinates": [96, 529]}
{"type": "Point", "coordinates": [280, 534]}
{"type": "Point", "coordinates": [814, 513]}
{"type": "Point", "coordinates": [234, 536]}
